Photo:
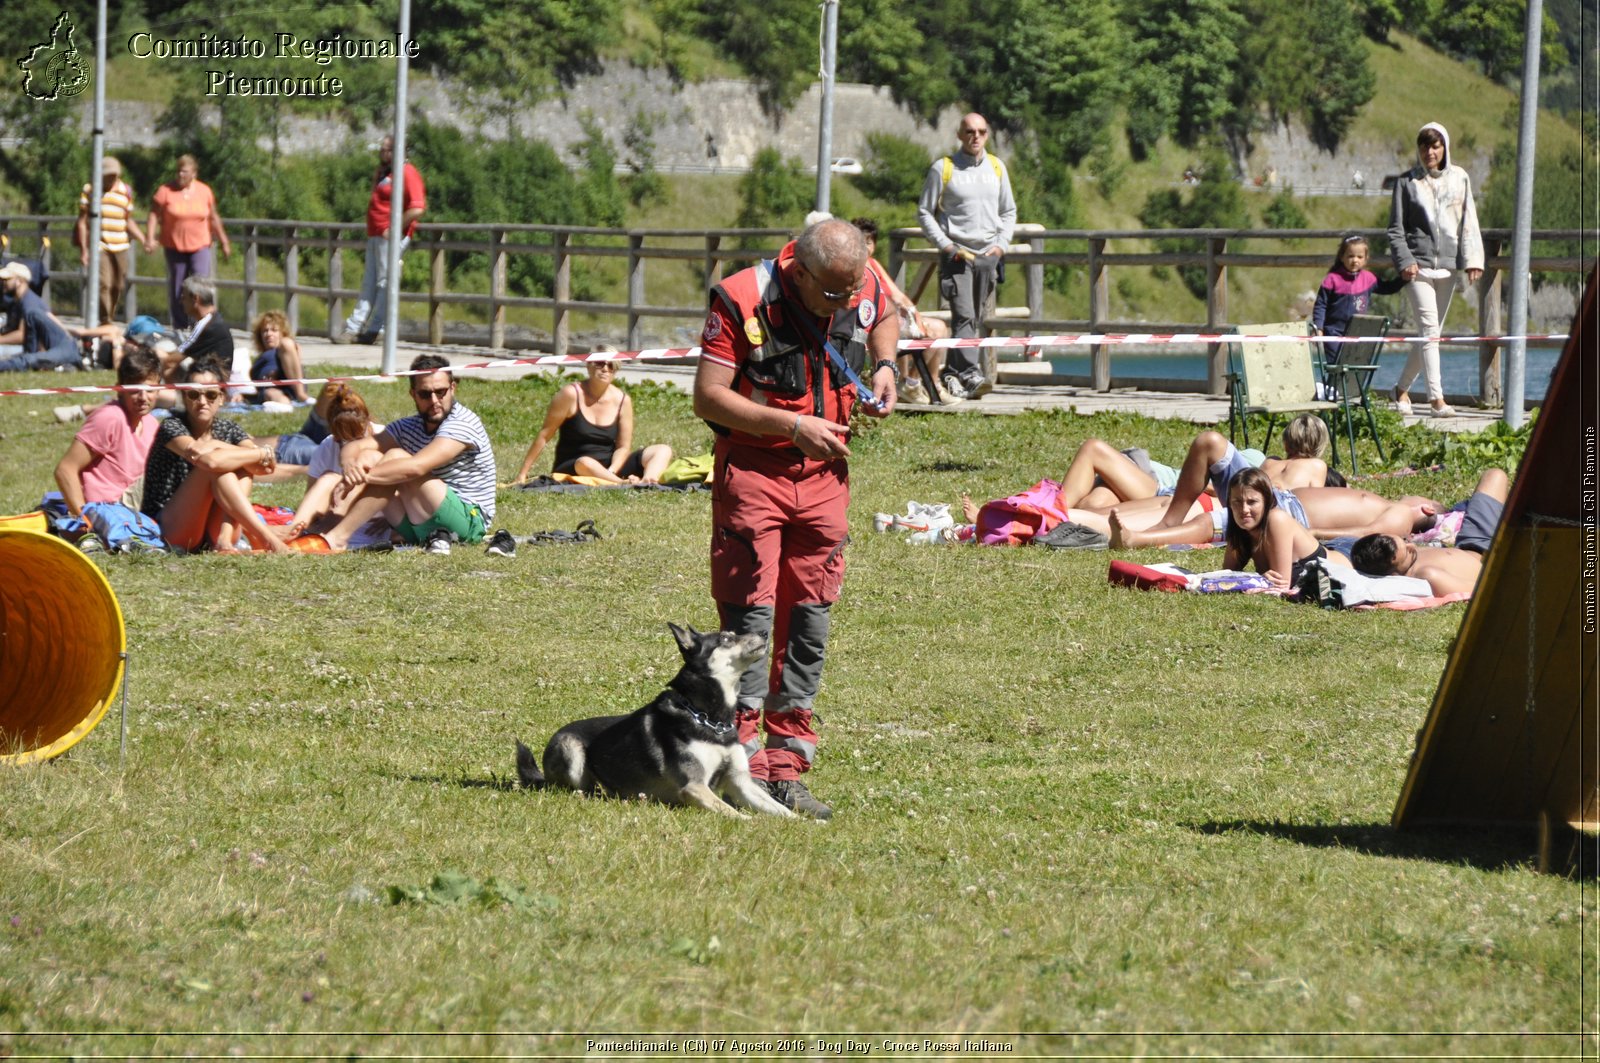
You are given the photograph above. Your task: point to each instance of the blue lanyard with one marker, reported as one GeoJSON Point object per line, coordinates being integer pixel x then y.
{"type": "Point", "coordinates": [863, 393]}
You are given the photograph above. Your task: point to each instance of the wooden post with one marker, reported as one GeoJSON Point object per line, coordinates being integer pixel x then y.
{"type": "Point", "coordinates": [436, 282]}
{"type": "Point", "coordinates": [497, 288]}
{"type": "Point", "coordinates": [1035, 294]}
{"type": "Point", "coordinates": [897, 264]}
{"type": "Point", "coordinates": [335, 282]}
{"type": "Point", "coordinates": [1490, 287]}
{"type": "Point", "coordinates": [44, 256]}
{"type": "Point", "coordinates": [635, 289]}
{"type": "Point", "coordinates": [1099, 312]}
{"type": "Point", "coordinates": [130, 287]}
{"type": "Point", "coordinates": [252, 254]}
{"type": "Point", "coordinates": [291, 279]}
{"type": "Point", "coordinates": [1216, 315]}
{"type": "Point", "coordinates": [560, 330]}
{"type": "Point", "coordinates": [713, 263]}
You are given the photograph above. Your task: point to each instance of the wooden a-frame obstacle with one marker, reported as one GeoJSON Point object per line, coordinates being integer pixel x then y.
{"type": "Point", "coordinates": [1514, 733]}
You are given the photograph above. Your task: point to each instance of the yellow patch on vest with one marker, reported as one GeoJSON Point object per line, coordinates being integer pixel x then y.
{"type": "Point", "coordinates": [752, 331]}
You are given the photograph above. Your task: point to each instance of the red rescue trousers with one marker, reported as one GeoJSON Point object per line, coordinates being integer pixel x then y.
{"type": "Point", "coordinates": [779, 529]}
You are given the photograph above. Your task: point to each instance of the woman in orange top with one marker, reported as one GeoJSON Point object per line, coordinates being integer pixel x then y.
{"type": "Point", "coordinates": [188, 215]}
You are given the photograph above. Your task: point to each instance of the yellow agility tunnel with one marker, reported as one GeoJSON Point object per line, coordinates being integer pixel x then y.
{"type": "Point", "coordinates": [61, 645]}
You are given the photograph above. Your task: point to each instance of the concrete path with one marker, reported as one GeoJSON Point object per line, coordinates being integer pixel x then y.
{"type": "Point", "coordinates": [1010, 396]}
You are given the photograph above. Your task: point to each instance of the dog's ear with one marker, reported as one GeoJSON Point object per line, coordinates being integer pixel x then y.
{"type": "Point", "coordinates": [686, 639]}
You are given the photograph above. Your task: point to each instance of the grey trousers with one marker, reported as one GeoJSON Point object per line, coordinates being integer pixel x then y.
{"type": "Point", "coordinates": [968, 290]}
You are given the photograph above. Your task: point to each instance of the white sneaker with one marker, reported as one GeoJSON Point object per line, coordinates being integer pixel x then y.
{"type": "Point", "coordinates": [911, 390]}
{"type": "Point", "coordinates": [882, 522]}
{"type": "Point", "coordinates": [1446, 410]}
{"type": "Point", "coordinates": [1402, 403]}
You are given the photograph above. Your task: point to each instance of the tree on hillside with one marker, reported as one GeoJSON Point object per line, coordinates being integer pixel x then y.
{"type": "Point", "coordinates": [520, 51]}
{"type": "Point", "coordinates": [1489, 32]}
{"type": "Point", "coordinates": [1324, 87]}
{"type": "Point", "coordinates": [774, 41]}
{"type": "Point", "coordinates": [1186, 53]}
{"type": "Point", "coordinates": [880, 43]}
{"type": "Point", "coordinates": [1057, 74]}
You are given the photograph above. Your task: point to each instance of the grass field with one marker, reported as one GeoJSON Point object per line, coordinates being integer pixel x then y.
{"type": "Point", "coordinates": [1072, 818]}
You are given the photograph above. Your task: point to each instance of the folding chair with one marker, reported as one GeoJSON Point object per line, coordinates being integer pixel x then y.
{"type": "Point", "coordinates": [1357, 363]}
{"type": "Point", "coordinates": [1274, 378]}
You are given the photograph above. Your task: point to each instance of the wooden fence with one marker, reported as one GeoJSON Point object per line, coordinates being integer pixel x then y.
{"type": "Point", "coordinates": [340, 244]}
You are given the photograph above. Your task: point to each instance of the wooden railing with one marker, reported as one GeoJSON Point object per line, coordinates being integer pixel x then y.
{"type": "Point", "coordinates": [1095, 251]}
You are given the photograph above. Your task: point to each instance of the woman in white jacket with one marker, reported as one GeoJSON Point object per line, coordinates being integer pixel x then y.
{"type": "Point", "coordinates": [1433, 232]}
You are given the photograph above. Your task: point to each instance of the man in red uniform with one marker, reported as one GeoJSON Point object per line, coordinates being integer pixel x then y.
{"type": "Point", "coordinates": [780, 404]}
{"type": "Point", "coordinates": [367, 319]}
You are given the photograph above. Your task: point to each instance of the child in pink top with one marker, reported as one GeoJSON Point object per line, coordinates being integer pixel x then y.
{"type": "Point", "coordinates": [108, 454]}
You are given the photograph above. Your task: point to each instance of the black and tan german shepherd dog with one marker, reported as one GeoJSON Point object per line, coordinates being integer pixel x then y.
{"type": "Point", "coordinates": [682, 748]}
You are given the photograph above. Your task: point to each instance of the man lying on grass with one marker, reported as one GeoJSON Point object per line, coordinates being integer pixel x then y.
{"type": "Point", "coordinates": [1448, 570]}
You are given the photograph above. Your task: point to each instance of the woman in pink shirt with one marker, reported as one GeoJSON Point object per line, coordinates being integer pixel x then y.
{"type": "Point", "coordinates": [188, 215]}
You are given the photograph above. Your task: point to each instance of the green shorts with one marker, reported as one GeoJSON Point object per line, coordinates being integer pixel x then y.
{"type": "Point", "coordinates": [453, 515]}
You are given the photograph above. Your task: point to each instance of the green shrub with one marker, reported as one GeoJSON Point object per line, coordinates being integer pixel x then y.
{"type": "Point", "coordinates": [894, 169]}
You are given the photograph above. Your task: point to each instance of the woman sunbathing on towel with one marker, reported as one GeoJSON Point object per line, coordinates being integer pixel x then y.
{"type": "Point", "coordinates": [592, 424]}
{"type": "Point", "coordinates": [1260, 531]}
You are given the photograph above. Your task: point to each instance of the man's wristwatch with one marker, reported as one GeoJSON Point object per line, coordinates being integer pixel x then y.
{"type": "Point", "coordinates": [882, 363]}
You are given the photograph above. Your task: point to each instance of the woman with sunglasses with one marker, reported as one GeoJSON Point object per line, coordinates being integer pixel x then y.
{"type": "Point", "coordinates": [198, 478]}
{"type": "Point", "coordinates": [592, 424]}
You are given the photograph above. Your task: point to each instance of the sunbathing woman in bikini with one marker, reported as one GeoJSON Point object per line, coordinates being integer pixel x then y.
{"type": "Point", "coordinates": [1262, 532]}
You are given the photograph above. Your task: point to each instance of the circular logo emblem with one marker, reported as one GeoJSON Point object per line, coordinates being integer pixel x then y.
{"type": "Point", "coordinates": [713, 328]}
{"type": "Point", "coordinates": [66, 74]}
{"type": "Point", "coordinates": [752, 331]}
{"type": "Point", "coordinates": [868, 313]}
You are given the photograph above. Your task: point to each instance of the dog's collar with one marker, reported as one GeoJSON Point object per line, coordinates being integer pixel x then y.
{"type": "Point", "coordinates": [721, 730]}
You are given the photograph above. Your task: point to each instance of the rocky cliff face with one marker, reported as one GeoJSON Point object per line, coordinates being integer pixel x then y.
{"type": "Point", "coordinates": [702, 127]}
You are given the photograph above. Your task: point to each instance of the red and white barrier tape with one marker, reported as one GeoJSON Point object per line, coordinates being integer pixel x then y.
{"type": "Point", "coordinates": [1098, 339]}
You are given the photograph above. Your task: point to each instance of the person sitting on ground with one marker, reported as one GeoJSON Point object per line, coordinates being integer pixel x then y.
{"type": "Point", "coordinates": [434, 477]}
{"type": "Point", "coordinates": [105, 463]}
{"type": "Point", "coordinates": [201, 469]}
{"type": "Point", "coordinates": [328, 499]}
{"type": "Point", "coordinates": [45, 342]}
{"type": "Point", "coordinates": [1448, 570]}
{"type": "Point", "coordinates": [277, 359]}
{"type": "Point", "coordinates": [592, 424]}
{"type": "Point", "coordinates": [912, 324]}
{"type": "Point", "coordinates": [1261, 532]}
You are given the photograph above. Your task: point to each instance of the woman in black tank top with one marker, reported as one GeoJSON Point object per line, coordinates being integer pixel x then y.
{"type": "Point", "coordinates": [592, 424]}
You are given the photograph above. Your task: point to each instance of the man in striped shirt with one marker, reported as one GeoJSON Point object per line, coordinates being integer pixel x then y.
{"type": "Point", "coordinates": [431, 474]}
{"type": "Point", "coordinates": [117, 224]}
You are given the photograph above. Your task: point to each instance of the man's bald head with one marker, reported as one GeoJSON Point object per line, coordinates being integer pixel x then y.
{"type": "Point", "coordinates": [973, 132]}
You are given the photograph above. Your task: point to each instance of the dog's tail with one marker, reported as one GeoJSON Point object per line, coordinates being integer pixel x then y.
{"type": "Point", "coordinates": [528, 772]}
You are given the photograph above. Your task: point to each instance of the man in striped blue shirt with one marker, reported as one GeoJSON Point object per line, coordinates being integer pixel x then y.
{"type": "Point", "coordinates": [431, 474]}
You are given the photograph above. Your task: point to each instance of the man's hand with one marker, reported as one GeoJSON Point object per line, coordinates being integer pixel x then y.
{"type": "Point", "coordinates": [820, 439]}
{"type": "Point", "coordinates": [1473, 275]}
{"type": "Point", "coordinates": [994, 252]}
{"type": "Point", "coordinates": [1410, 272]}
{"type": "Point", "coordinates": [884, 393]}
